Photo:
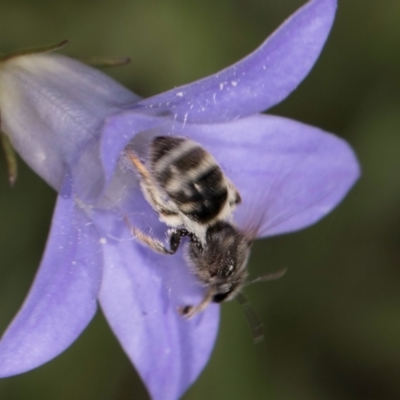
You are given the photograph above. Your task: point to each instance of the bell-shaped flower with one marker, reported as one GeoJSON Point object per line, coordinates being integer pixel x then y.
{"type": "Point", "coordinates": [72, 125]}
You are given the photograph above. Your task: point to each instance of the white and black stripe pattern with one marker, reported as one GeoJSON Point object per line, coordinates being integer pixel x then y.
{"type": "Point", "coordinates": [190, 176]}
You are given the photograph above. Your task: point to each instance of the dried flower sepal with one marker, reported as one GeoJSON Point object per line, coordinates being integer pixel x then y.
{"type": "Point", "coordinates": [11, 158]}
{"type": "Point", "coordinates": [106, 61]}
{"type": "Point", "coordinates": [32, 50]}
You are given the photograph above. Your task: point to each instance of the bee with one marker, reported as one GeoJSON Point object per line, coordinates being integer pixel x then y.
{"type": "Point", "coordinates": [187, 188]}
{"type": "Point", "coordinates": [185, 185]}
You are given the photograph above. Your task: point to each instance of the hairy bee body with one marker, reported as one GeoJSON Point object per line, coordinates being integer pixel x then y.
{"type": "Point", "coordinates": [187, 188]}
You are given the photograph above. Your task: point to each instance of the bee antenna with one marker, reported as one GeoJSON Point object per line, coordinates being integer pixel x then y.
{"type": "Point", "coordinates": [268, 277]}
{"type": "Point", "coordinates": [256, 326]}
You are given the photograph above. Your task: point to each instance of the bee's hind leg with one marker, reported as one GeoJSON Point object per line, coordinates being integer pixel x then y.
{"type": "Point", "coordinates": [150, 187]}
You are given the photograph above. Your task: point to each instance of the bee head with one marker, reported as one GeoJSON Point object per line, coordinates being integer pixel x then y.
{"type": "Point", "coordinates": [220, 263]}
{"type": "Point", "coordinates": [228, 289]}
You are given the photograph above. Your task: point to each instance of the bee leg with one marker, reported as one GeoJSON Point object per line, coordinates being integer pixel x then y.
{"type": "Point", "coordinates": [175, 238]}
{"type": "Point", "coordinates": [189, 311]}
{"type": "Point", "coordinates": [155, 244]}
{"type": "Point", "coordinates": [144, 173]}
{"type": "Point", "coordinates": [149, 186]}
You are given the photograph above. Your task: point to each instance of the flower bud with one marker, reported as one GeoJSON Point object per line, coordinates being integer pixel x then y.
{"type": "Point", "coordinates": [52, 109]}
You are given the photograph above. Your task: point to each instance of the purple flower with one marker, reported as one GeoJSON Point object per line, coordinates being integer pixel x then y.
{"type": "Point", "coordinates": [71, 124]}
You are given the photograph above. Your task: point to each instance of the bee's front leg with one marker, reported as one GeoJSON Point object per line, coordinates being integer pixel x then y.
{"type": "Point", "coordinates": [175, 239]}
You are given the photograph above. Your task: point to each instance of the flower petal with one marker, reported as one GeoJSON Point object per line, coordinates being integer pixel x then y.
{"type": "Point", "coordinates": [62, 299]}
{"type": "Point", "coordinates": [119, 130]}
{"type": "Point", "coordinates": [259, 81]}
{"type": "Point", "coordinates": [140, 295]}
{"type": "Point", "coordinates": [52, 108]}
{"type": "Point", "coordinates": [289, 174]}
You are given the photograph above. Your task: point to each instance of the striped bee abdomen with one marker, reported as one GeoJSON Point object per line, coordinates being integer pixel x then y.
{"type": "Point", "coordinates": [190, 176]}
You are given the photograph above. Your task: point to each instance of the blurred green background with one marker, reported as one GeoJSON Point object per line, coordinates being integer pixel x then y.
{"type": "Point", "coordinates": [333, 322]}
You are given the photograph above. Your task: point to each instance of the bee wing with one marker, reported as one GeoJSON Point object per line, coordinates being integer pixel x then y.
{"type": "Point", "coordinates": [257, 216]}
{"type": "Point", "coordinates": [288, 174]}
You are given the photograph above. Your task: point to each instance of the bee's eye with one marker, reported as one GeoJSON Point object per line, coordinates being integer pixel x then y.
{"type": "Point", "coordinates": [224, 292]}
{"type": "Point", "coordinates": [220, 297]}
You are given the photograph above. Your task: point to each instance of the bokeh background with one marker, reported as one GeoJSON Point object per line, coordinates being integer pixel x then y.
{"type": "Point", "coordinates": [332, 323]}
